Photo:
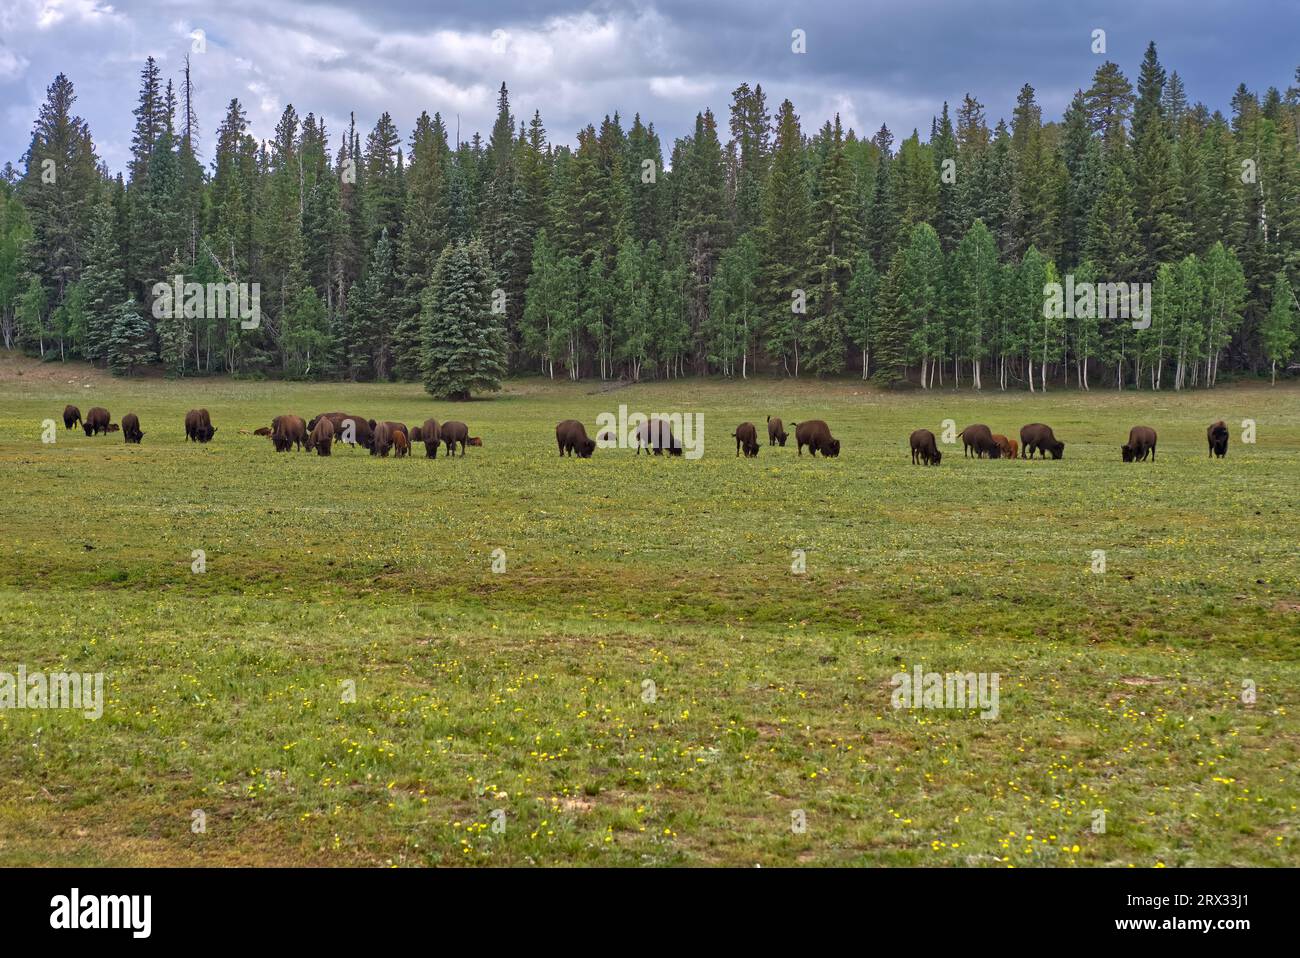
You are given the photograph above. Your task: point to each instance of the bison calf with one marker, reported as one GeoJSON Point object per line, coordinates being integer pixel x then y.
{"type": "Point", "coordinates": [401, 445]}
{"type": "Point", "coordinates": [1141, 440]}
{"type": "Point", "coordinates": [747, 439]}
{"type": "Point", "coordinates": [924, 448]}
{"type": "Point", "coordinates": [571, 437]}
{"type": "Point", "coordinates": [816, 435]}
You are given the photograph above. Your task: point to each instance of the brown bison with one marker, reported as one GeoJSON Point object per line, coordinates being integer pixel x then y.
{"type": "Point", "coordinates": [321, 438]}
{"type": "Point", "coordinates": [198, 426]}
{"type": "Point", "coordinates": [980, 438]}
{"type": "Point", "coordinates": [1006, 447]}
{"type": "Point", "coordinates": [401, 445]}
{"type": "Point", "coordinates": [350, 429]}
{"type": "Point", "coordinates": [1217, 435]}
{"type": "Point", "coordinates": [816, 435]}
{"type": "Point", "coordinates": [381, 439]}
{"type": "Point", "coordinates": [746, 437]}
{"type": "Point", "coordinates": [112, 427]}
{"type": "Point", "coordinates": [1141, 440]}
{"type": "Point", "coordinates": [924, 448]}
{"type": "Point", "coordinates": [457, 432]}
{"type": "Point", "coordinates": [1037, 437]}
{"type": "Point", "coordinates": [71, 416]}
{"type": "Point", "coordinates": [571, 437]}
{"type": "Point", "coordinates": [131, 428]}
{"type": "Point", "coordinates": [776, 434]}
{"type": "Point", "coordinates": [96, 421]}
{"type": "Point", "coordinates": [417, 434]}
{"type": "Point", "coordinates": [262, 431]}
{"type": "Point", "coordinates": [431, 436]}
{"type": "Point", "coordinates": [656, 435]}
{"type": "Point", "coordinates": [286, 431]}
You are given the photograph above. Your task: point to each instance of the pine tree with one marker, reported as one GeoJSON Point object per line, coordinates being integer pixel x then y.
{"type": "Point", "coordinates": [836, 245]}
{"type": "Point", "coordinates": [131, 344]}
{"type": "Point", "coordinates": [785, 244]}
{"type": "Point", "coordinates": [464, 341]}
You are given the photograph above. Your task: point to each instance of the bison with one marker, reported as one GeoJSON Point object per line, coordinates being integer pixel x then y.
{"type": "Point", "coordinates": [381, 439]}
{"type": "Point", "coordinates": [71, 416]}
{"type": "Point", "coordinates": [350, 429]}
{"type": "Point", "coordinates": [286, 431]}
{"type": "Point", "coordinates": [457, 432]}
{"type": "Point", "coordinates": [262, 431]}
{"type": "Point", "coordinates": [776, 434]}
{"type": "Point", "coordinates": [816, 435]}
{"type": "Point", "coordinates": [656, 435]}
{"type": "Point", "coordinates": [747, 439]}
{"type": "Point", "coordinates": [1006, 447]}
{"type": "Point", "coordinates": [431, 436]}
{"type": "Point", "coordinates": [980, 438]}
{"type": "Point", "coordinates": [1141, 440]}
{"type": "Point", "coordinates": [924, 448]}
{"type": "Point", "coordinates": [198, 426]}
{"type": "Point", "coordinates": [131, 428]}
{"type": "Point", "coordinates": [96, 421]}
{"type": "Point", "coordinates": [1216, 434]}
{"type": "Point", "coordinates": [321, 438]}
{"type": "Point", "coordinates": [571, 437]}
{"type": "Point", "coordinates": [1037, 437]}
{"type": "Point", "coordinates": [401, 445]}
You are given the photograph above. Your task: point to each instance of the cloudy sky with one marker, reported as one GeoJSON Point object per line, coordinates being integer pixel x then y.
{"type": "Point", "coordinates": [893, 62]}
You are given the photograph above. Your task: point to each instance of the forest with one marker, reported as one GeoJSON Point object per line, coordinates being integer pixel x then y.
{"type": "Point", "coordinates": [765, 248]}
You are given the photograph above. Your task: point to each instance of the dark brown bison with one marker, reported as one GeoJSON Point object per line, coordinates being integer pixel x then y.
{"type": "Point", "coordinates": [198, 426]}
{"type": "Point", "coordinates": [816, 435]}
{"type": "Point", "coordinates": [350, 429]}
{"type": "Point", "coordinates": [571, 437]}
{"type": "Point", "coordinates": [457, 432]}
{"type": "Point", "coordinates": [286, 431]}
{"type": "Point", "coordinates": [131, 428]}
{"type": "Point", "coordinates": [656, 435]}
{"type": "Point", "coordinates": [96, 421]}
{"type": "Point", "coordinates": [1037, 437]}
{"type": "Point", "coordinates": [1006, 447]}
{"type": "Point", "coordinates": [776, 434]}
{"type": "Point", "coordinates": [1217, 435]}
{"type": "Point", "coordinates": [431, 436]}
{"type": "Point", "coordinates": [417, 434]}
{"type": "Point", "coordinates": [401, 445]}
{"type": "Point", "coordinates": [112, 427]}
{"type": "Point", "coordinates": [71, 416]}
{"type": "Point", "coordinates": [924, 448]}
{"type": "Point", "coordinates": [262, 431]}
{"type": "Point", "coordinates": [381, 439]}
{"type": "Point", "coordinates": [1141, 440]}
{"type": "Point", "coordinates": [321, 438]}
{"type": "Point", "coordinates": [979, 438]}
{"type": "Point", "coordinates": [746, 437]}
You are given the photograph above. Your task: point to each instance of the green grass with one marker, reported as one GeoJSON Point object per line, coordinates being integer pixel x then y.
{"type": "Point", "coordinates": [523, 691]}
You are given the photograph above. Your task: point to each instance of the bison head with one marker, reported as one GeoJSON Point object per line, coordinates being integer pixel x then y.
{"type": "Point", "coordinates": [938, 455]}
{"type": "Point", "coordinates": [1056, 449]}
{"type": "Point", "coordinates": [586, 448]}
{"type": "Point", "coordinates": [832, 448]}
{"type": "Point", "coordinates": [1127, 452]}
{"type": "Point", "coordinates": [474, 441]}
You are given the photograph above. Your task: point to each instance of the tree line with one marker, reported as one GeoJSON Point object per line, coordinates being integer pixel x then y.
{"type": "Point", "coordinates": [761, 248]}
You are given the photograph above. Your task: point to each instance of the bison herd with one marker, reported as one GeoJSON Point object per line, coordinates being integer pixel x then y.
{"type": "Point", "coordinates": [655, 435]}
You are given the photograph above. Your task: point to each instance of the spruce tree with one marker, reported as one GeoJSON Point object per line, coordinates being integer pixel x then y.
{"type": "Point", "coordinates": [464, 340]}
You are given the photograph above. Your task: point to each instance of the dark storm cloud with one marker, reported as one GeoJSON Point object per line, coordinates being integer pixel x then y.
{"type": "Point", "coordinates": [874, 63]}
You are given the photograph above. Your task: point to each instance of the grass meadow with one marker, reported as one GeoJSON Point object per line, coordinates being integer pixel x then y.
{"type": "Point", "coordinates": [648, 682]}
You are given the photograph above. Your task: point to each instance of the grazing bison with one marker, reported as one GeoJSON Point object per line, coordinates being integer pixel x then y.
{"type": "Point", "coordinates": [350, 429]}
{"type": "Point", "coordinates": [71, 416]}
{"type": "Point", "coordinates": [747, 439]}
{"type": "Point", "coordinates": [1038, 437]}
{"type": "Point", "coordinates": [1141, 440]}
{"type": "Point", "coordinates": [776, 434]}
{"type": "Point", "coordinates": [381, 439]}
{"type": "Point", "coordinates": [656, 435]}
{"type": "Point", "coordinates": [1006, 447]}
{"type": "Point", "coordinates": [198, 426]}
{"type": "Point", "coordinates": [816, 435]}
{"type": "Point", "coordinates": [417, 434]}
{"type": "Point", "coordinates": [131, 428]}
{"type": "Point", "coordinates": [96, 421]}
{"type": "Point", "coordinates": [924, 448]}
{"type": "Point", "coordinates": [1216, 434]}
{"type": "Point", "coordinates": [431, 436]}
{"type": "Point", "coordinates": [401, 445]}
{"type": "Point", "coordinates": [286, 431]}
{"type": "Point", "coordinates": [571, 437]}
{"type": "Point", "coordinates": [980, 438]}
{"type": "Point", "coordinates": [457, 432]}
{"type": "Point", "coordinates": [321, 438]}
